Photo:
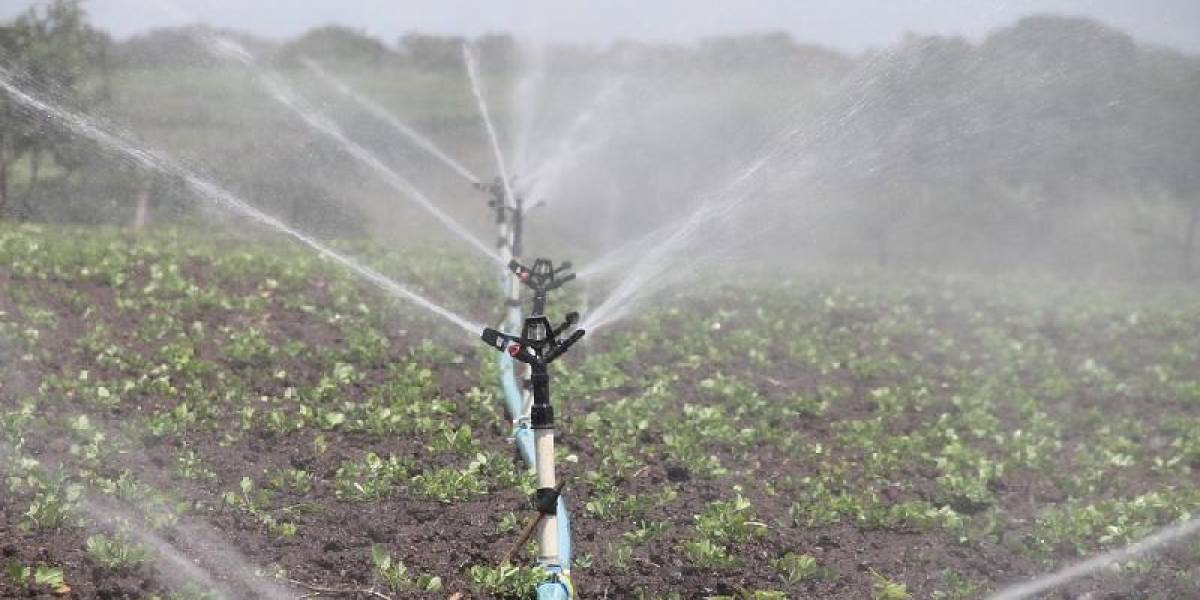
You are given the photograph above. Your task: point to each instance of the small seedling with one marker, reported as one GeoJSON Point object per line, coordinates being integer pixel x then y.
{"type": "Point", "coordinates": [116, 552]}
{"type": "Point", "coordinates": [798, 568]}
{"type": "Point", "coordinates": [394, 575]}
{"type": "Point", "coordinates": [709, 555]}
{"type": "Point", "coordinates": [39, 576]}
{"type": "Point", "coordinates": [883, 588]}
{"type": "Point", "coordinates": [506, 581]}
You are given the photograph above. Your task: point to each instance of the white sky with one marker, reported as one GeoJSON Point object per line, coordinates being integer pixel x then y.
{"type": "Point", "coordinates": [846, 24]}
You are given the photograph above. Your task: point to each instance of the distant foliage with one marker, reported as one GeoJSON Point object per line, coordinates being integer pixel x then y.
{"type": "Point", "coordinates": [51, 47]}
{"type": "Point", "coordinates": [335, 43]}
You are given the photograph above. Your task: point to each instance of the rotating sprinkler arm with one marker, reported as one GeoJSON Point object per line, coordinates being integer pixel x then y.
{"type": "Point", "coordinates": [571, 320]}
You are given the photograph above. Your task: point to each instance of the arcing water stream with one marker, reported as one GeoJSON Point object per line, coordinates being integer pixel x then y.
{"type": "Point", "coordinates": [570, 146]}
{"type": "Point", "coordinates": [222, 559]}
{"type": "Point", "coordinates": [649, 274]}
{"type": "Point", "coordinates": [150, 159]}
{"type": "Point", "coordinates": [282, 93]}
{"type": "Point", "coordinates": [173, 566]}
{"type": "Point", "coordinates": [1164, 537]}
{"type": "Point", "coordinates": [669, 244]}
{"type": "Point", "coordinates": [477, 89]}
{"type": "Point", "coordinates": [527, 103]}
{"type": "Point", "coordinates": [421, 141]}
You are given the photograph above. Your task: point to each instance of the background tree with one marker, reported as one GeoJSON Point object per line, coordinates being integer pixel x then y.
{"type": "Point", "coordinates": [335, 43]}
{"type": "Point", "coordinates": [55, 49]}
{"type": "Point", "coordinates": [432, 52]}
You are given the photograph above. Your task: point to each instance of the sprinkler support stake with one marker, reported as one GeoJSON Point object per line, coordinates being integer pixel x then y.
{"type": "Point", "coordinates": [527, 533]}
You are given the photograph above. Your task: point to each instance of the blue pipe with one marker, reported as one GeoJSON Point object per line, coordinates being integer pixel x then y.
{"type": "Point", "coordinates": [555, 589]}
{"type": "Point", "coordinates": [564, 535]}
{"type": "Point", "coordinates": [512, 400]}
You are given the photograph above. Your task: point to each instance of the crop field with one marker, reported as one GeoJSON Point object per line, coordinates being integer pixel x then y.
{"type": "Point", "coordinates": [292, 432]}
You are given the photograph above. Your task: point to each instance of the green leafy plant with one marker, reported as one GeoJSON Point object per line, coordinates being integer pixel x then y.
{"type": "Point", "coordinates": [256, 502]}
{"type": "Point", "coordinates": [369, 479]}
{"type": "Point", "coordinates": [450, 485]}
{"type": "Point", "coordinates": [116, 552]}
{"type": "Point", "coordinates": [506, 581]}
{"type": "Point", "coordinates": [709, 555]}
{"type": "Point", "coordinates": [189, 465]}
{"type": "Point", "coordinates": [729, 521]}
{"type": "Point", "coordinates": [798, 568]}
{"type": "Point", "coordinates": [55, 500]}
{"type": "Point", "coordinates": [39, 576]}
{"type": "Point", "coordinates": [295, 480]}
{"type": "Point", "coordinates": [883, 588]}
{"type": "Point", "coordinates": [394, 576]}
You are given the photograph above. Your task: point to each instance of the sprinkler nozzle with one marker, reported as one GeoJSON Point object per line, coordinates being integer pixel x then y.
{"type": "Point", "coordinates": [561, 348]}
{"type": "Point", "coordinates": [495, 338]}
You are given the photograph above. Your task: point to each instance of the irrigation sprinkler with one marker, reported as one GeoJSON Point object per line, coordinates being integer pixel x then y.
{"type": "Point", "coordinates": [538, 345]}
{"type": "Point", "coordinates": [510, 215]}
{"type": "Point", "coordinates": [542, 279]}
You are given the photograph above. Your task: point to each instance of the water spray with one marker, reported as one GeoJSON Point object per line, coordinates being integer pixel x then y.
{"type": "Point", "coordinates": [286, 96]}
{"type": "Point", "coordinates": [150, 159]}
{"type": "Point", "coordinates": [420, 140]}
{"type": "Point", "coordinates": [477, 91]}
{"type": "Point", "coordinates": [1163, 537]}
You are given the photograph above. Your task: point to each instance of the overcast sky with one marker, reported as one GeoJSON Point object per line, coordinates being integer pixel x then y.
{"type": "Point", "coordinates": [846, 24]}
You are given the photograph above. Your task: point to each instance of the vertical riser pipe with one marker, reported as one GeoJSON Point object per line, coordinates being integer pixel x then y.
{"type": "Point", "coordinates": [548, 529]}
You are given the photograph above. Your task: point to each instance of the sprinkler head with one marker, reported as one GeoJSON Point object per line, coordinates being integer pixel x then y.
{"type": "Point", "coordinates": [544, 276]}
{"type": "Point", "coordinates": [538, 343]}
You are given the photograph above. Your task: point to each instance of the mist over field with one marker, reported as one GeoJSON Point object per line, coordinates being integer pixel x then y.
{"type": "Point", "coordinates": [869, 314]}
